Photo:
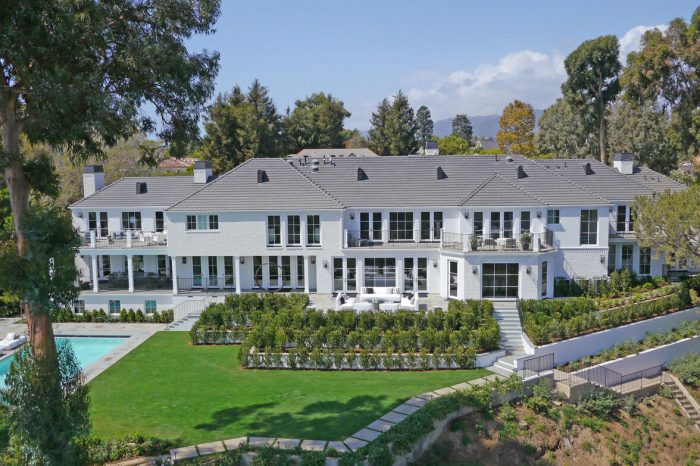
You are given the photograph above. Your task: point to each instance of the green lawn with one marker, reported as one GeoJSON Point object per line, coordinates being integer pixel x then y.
{"type": "Point", "coordinates": [185, 394]}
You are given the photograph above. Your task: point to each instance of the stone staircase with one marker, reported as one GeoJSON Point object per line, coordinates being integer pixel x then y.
{"type": "Point", "coordinates": [683, 398]}
{"type": "Point", "coordinates": [506, 314]}
{"type": "Point", "coordinates": [187, 312]}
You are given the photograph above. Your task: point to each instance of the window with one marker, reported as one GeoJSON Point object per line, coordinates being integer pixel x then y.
{"type": "Point", "coordinates": [79, 306]}
{"type": "Point", "coordinates": [621, 218]}
{"type": "Point", "coordinates": [371, 225]}
{"type": "Point", "coordinates": [229, 278]}
{"type": "Point", "coordinates": [525, 222]}
{"type": "Point", "coordinates": [553, 217]}
{"type": "Point", "coordinates": [160, 222]}
{"type": "Point", "coordinates": [162, 266]}
{"type": "Point", "coordinates": [258, 271]}
{"type": "Point", "coordinates": [286, 271]}
{"type": "Point", "coordinates": [380, 272]}
{"type": "Point", "coordinates": [337, 274]}
{"type": "Point", "coordinates": [422, 274]}
{"type": "Point", "coordinates": [273, 230]}
{"type": "Point", "coordinates": [131, 221]}
{"type": "Point", "coordinates": [479, 223]}
{"type": "Point", "coordinates": [115, 306]}
{"type": "Point", "coordinates": [92, 221]}
{"type": "Point", "coordinates": [453, 279]}
{"type": "Point", "coordinates": [149, 307]}
{"type": "Point", "coordinates": [499, 281]}
{"type": "Point", "coordinates": [106, 266]}
{"type": "Point", "coordinates": [196, 271]}
{"type": "Point", "coordinates": [507, 224]}
{"type": "Point", "coordinates": [300, 271]}
{"type": "Point", "coordinates": [101, 228]}
{"type": "Point", "coordinates": [408, 274]}
{"type": "Point", "coordinates": [544, 278]}
{"type": "Point", "coordinates": [626, 261]}
{"type": "Point", "coordinates": [425, 226]}
{"type": "Point", "coordinates": [352, 274]}
{"type": "Point", "coordinates": [293, 230]}
{"type": "Point", "coordinates": [437, 225]}
{"type": "Point", "coordinates": [313, 230]}
{"type": "Point", "coordinates": [400, 226]}
{"type": "Point", "coordinates": [589, 226]}
{"type": "Point", "coordinates": [213, 271]}
{"type": "Point", "coordinates": [274, 271]}
{"type": "Point", "coordinates": [630, 226]}
{"type": "Point", "coordinates": [644, 261]}
{"type": "Point", "coordinates": [202, 222]}
{"type": "Point", "coordinates": [495, 224]}
{"type": "Point", "coordinates": [612, 258]}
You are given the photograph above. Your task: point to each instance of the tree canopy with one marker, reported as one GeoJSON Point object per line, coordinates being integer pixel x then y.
{"type": "Point", "coordinates": [425, 125]}
{"type": "Point", "coordinates": [670, 223]}
{"type": "Point", "coordinates": [516, 134]}
{"type": "Point", "coordinates": [563, 132]}
{"type": "Point", "coordinates": [453, 145]}
{"type": "Point", "coordinates": [316, 122]}
{"type": "Point", "coordinates": [592, 83]}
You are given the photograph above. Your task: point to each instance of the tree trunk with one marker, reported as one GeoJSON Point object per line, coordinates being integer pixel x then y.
{"type": "Point", "coordinates": [37, 317]}
{"type": "Point", "coordinates": [601, 123]}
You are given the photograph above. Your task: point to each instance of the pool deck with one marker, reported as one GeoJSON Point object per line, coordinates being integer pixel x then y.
{"type": "Point", "coordinates": [137, 333]}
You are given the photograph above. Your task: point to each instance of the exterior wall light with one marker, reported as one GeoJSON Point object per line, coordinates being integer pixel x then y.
{"type": "Point", "coordinates": [435, 263]}
{"type": "Point", "coordinates": [466, 214]}
{"type": "Point", "coordinates": [184, 259]}
{"type": "Point", "coordinates": [242, 260]}
{"type": "Point", "coordinates": [610, 208]}
{"type": "Point", "coordinates": [352, 216]}
{"type": "Point", "coordinates": [475, 269]}
{"type": "Point", "coordinates": [312, 259]}
{"type": "Point", "coordinates": [325, 264]}
{"type": "Point", "coordinates": [602, 259]}
{"type": "Point", "coordinates": [539, 214]}
{"type": "Point", "coordinates": [528, 270]}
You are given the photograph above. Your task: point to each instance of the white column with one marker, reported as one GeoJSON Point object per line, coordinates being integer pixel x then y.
{"type": "Point", "coordinates": [95, 283]}
{"type": "Point", "coordinates": [173, 273]}
{"type": "Point", "coordinates": [360, 273]}
{"type": "Point", "coordinates": [130, 271]}
{"type": "Point", "coordinates": [237, 271]}
{"type": "Point", "coordinates": [128, 238]}
{"type": "Point", "coordinates": [93, 238]}
{"type": "Point", "coordinates": [302, 226]}
{"type": "Point", "coordinates": [306, 274]}
{"type": "Point", "coordinates": [283, 230]}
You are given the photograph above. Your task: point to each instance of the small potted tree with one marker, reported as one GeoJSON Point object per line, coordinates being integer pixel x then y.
{"type": "Point", "coordinates": [473, 242]}
{"type": "Point", "coordinates": [526, 240]}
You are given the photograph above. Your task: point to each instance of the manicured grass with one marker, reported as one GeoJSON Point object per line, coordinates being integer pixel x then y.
{"type": "Point", "coordinates": [185, 394]}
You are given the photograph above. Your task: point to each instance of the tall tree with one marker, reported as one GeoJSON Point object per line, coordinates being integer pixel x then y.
{"type": "Point", "coordinates": [453, 145]}
{"type": "Point", "coordinates": [666, 71]}
{"type": "Point", "coordinates": [75, 74]}
{"type": "Point", "coordinates": [262, 133]}
{"type": "Point", "coordinates": [643, 130]}
{"type": "Point", "coordinates": [563, 133]}
{"type": "Point", "coordinates": [516, 134]}
{"type": "Point", "coordinates": [462, 127]}
{"type": "Point", "coordinates": [316, 122]}
{"type": "Point", "coordinates": [394, 127]}
{"type": "Point", "coordinates": [593, 83]}
{"type": "Point", "coordinates": [670, 223]}
{"type": "Point", "coordinates": [425, 125]}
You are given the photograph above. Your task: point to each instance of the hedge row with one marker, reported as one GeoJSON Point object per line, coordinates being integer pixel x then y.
{"type": "Point", "coordinates": [464, 324]}
{"type": "Point", "coordinates": [637, 297]}
{"type": "Point", "coordinates": [546, 321]}
{"type": "Point", "coordinates": [620, 283]}
{"type": "Point", "coordinates": [457, 357]}
{"type": "Point", "coordinates": [248, 309]}
{"type": "Point", "coordinates": [130, 316]}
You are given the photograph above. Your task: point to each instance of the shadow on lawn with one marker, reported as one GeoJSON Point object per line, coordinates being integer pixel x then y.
{"type": "Point", "coordinates": [326, 420]}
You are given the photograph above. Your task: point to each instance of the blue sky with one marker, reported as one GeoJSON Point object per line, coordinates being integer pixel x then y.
{"type": "Point", "coordinates": [454, 56]}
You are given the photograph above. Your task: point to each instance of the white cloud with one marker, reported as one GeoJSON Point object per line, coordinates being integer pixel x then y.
{"type": "Point", "coordinates": [532, 76]}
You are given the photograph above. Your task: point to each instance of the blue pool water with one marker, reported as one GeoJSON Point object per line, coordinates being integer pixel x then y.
{"type": "Point", "coordinates": [87, 350]}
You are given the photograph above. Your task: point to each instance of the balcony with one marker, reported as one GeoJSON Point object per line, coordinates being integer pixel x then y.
{"type": "Point", "coordinates": [392, 239]}
{"type": "Point", "coordinates": [119, 281]}
{"type": "Point", "coordinates": [127, 240]}
{"type": "Point", "coordinates": [538, 242]}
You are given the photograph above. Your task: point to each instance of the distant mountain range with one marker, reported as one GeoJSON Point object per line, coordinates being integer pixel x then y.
{"type": "Point", "coordinates": [483, 125]}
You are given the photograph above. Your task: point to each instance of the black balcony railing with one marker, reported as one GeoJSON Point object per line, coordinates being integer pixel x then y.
{"type": "Point", "coordinates": [498, 242]}
{"type": "Point", "coordinates": [120, 281]}
{"type": "Point", "coordinates": [224, 283]}
{"type": "Point", "coordinates": [139, 239]}
{"type": "Point", "coordinates": [395, 238]}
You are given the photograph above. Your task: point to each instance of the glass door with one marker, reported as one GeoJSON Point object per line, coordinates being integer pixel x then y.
{"type": "Point", "coordinates": [499, 281]}
{"type": "Point", "coordinates": [196, 271]}
{"type": "Point", "coordinates": [453, 279]}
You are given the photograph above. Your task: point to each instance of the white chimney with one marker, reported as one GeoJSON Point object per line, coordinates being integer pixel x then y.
{"type": "Point", "coordinates": [624, 162]}
{"type": "Point", "coordinates": [93, 179]}
{"type": "Point", "coordinates": [202, 171]}
{"type": "Point", "coordinates": [431, 148]}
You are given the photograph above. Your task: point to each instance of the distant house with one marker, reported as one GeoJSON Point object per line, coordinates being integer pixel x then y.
{"type": "Point", "coordinates": [690, 168]}
{"type": "Point", "coordinates": [431, 148]}
{"type": "Point", "coordinates": [333, 153]}
{"type": "Point", "coordinates": [172, 164]}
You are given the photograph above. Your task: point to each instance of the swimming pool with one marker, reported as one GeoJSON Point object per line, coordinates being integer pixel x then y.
{"type": "Point", "coordinates": [87, 350]}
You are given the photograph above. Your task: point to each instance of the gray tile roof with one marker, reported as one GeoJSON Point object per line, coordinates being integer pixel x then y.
{"type": "Point", "coordinates": [655, 181]}
{"type": "Point", "coordinates": [283, 188]}
{"type": "Point", "coordinates": [161, 191]}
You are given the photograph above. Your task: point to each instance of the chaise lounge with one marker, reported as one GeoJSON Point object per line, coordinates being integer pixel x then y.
{"type": "Point", "coordinates": [12, 341]}
{"type": "Point", "coordinates": [383, 293]}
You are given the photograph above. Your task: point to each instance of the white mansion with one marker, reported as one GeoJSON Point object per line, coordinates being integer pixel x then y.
{"type": "Point", "coordinates": [499, 227]}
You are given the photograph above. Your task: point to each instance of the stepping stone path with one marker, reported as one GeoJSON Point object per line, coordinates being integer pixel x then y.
{"type": "Point", "coordinates": [357, 440]}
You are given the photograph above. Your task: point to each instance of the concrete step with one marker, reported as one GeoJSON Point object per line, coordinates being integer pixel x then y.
{"type": "Point", "coordinates": [499, 371]}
